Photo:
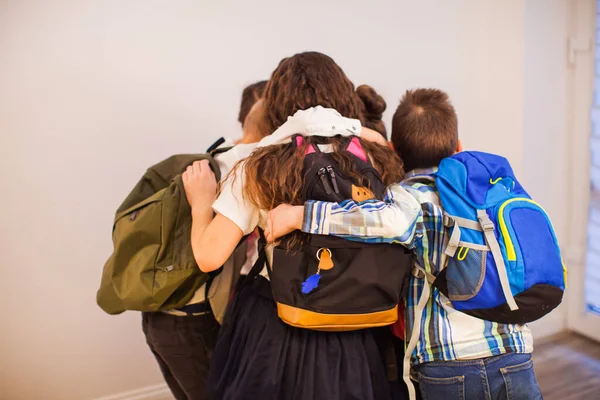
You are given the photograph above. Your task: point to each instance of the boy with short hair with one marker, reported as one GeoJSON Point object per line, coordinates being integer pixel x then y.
{"type": "Point", "coordinates": [454, 356]}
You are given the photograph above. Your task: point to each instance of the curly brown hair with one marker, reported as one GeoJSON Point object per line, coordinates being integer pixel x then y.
{"type": "Point", "coordinates": [273, 174]}
{"type": "Point", "coordinates": [307, 80]}
{"type": "Point", "coordinates": [375, 106]}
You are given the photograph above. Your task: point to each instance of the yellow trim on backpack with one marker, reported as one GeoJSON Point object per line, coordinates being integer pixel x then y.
{"type": "Point", "coordinates": [493, 182]}
{"type": "Point", "coordinates": [462, 253]}
{"type": "Point", "coordinates": [510, 247]}
{"type": "Point", "coordinates": [306, 319]}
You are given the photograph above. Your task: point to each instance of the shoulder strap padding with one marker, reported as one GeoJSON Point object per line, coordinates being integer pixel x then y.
{"type": "Point", "coordinates": [355, 147]}
{"type": "Point", "coordinates": [298, 141]}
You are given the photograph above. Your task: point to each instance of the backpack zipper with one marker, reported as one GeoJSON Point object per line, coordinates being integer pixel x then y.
{"type": "Point", "coordinates": [336, 189]}
{"type": "Point", "coordinates": [325, 181]}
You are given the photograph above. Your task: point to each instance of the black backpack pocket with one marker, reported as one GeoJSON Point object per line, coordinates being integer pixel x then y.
{"type": "Point", "coordinates": [361, 290]}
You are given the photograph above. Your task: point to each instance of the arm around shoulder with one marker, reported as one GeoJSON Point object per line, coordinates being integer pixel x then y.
{"type": "Point", "coordinates": [394, 220]}
{"type": "Point", "coordinates": [213, 240]}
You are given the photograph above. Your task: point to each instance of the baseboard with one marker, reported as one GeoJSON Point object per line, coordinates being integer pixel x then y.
{"type": "Point", "coordinates": [153, 392]}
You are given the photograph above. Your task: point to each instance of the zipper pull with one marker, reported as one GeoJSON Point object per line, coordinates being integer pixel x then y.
{"type": "Point", "coordinates": [332, 175]}
{"type": "Point", "coordinates": [325, 181]}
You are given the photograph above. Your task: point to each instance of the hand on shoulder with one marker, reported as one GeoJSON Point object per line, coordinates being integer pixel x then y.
{"type": "Point", "coordinates": [373, 136]}
{"type": "Point", "coordinates": [200, 184]}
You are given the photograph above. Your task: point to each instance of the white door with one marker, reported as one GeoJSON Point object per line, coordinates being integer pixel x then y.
{"type": "Point", "coordinates": [583, 246]}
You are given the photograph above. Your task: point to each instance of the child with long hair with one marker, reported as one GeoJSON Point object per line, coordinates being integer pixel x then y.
{"type": "Point", "coordinates": [258, 356]}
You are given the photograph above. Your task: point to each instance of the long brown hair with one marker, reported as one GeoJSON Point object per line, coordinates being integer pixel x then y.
{"type": "Point", "coordinates": [307, 80]}
{"type": "Point", "coordinates": [274, 173]}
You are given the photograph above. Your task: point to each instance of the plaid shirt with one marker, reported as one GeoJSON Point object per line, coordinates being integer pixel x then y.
{"type": "Point", "coordinates": [411, 215]}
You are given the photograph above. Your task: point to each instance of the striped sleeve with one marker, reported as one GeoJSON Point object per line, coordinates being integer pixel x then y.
{"type": "Point", "coordinates": [394, 220]}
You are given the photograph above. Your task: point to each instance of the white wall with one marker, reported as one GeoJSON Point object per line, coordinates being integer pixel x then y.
{"type": "Point", "coordinates": [546, 124]}
{"type": "Point", "coordinates": [92, 92]}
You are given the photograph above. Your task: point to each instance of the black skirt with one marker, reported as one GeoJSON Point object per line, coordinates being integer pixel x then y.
{"type": "Point", "coordinates": [257, 356]}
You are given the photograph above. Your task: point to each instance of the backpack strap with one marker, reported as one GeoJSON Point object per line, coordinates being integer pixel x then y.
{"type": "Point", "coordinates": [214, 150]}
{"type": "Point", "coordinates": [451, 221]}
{"type": "Point", "coordinates": [215, 145]}
{"type": "Point", "coordinates": [211, 277]}
{"type": "Point", "coordinates": [415, 334]}
{"type": "Point", "coordinates": [220, 150]}
{"type": "Point", "coordinates": [298, 141]}
{"type": "Point", "coordinates": [420, 273]}
{"type": "Point", "coordinates": [427, 179]}
{"type": "Point", "coordinates": [261, 261]}
{"type": "Point", "coordinates": [262, 243]}
{"type": "Point", "coordinates": [355, 147]}
{"type": "Point", "coordinates": [485, 225]}
{"type": "Point", "coordinates": [490, 238]}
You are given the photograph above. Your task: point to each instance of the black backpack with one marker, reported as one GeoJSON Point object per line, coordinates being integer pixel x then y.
{"type": "Point", "coordinates": [333, 284]}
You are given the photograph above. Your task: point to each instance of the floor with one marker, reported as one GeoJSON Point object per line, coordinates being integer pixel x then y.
{"type": "Point", "coordinates": [568, 368]}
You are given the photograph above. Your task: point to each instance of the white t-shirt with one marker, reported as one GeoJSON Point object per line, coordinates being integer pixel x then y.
{"type": "Point", "coordinates": [316, 121]}
{"type": "Point", "coordinates": [228, 159]}
{"type": "Point", "coordinates": [226, 162]}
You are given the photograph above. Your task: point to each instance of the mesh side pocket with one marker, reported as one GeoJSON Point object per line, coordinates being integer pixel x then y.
{"type": "Point", "coordinates": [465, 273]}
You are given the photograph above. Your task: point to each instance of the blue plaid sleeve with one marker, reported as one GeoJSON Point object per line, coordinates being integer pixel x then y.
{"type": "Point", "coordinates": [393, 220]}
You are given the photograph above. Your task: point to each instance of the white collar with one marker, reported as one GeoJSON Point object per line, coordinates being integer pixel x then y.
{"type": "Point", "coordinates": [314, 121]}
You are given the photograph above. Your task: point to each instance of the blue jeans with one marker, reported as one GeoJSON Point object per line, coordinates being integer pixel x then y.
{"type": "Point", "coordinates": [504, 377]}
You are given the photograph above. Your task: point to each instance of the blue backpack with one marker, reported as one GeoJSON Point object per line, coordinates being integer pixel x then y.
{"type": "Point", "coordinates": [504, 263]}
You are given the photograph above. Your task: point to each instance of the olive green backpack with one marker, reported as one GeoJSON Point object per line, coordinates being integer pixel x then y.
{"type": "Point", "coordinates": [152, 267]}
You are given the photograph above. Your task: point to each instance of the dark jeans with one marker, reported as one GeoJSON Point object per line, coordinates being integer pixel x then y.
{"type": "Point", "coordinates": [182, 346]}
{"type": "Point", "coordinates": [505, 377]}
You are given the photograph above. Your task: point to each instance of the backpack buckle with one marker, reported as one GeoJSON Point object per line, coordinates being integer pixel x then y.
{"type": "Point", "coordinates": [448, 221]}
{"type": "Point", "coordinates": [486, 223]}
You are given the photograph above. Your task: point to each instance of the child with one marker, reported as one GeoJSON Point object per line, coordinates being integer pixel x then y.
{"type": "Point", "coordinates": [257, 356]}
{"type": "Point", "coordinates": [456, 356]}
{"type": "Point", "coordinates": [183, 339]}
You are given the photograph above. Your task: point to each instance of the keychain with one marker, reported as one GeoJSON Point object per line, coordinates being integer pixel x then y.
{"type": "Point", "coordinates": [325, 263]}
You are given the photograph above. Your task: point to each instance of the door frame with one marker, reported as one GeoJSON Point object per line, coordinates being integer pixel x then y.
{"type": "Point", "coordinates": [581, 48]}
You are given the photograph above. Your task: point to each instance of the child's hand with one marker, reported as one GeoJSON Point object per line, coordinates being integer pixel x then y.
{"type": "Point", "coordinates": [200, 184]}
{"type": "Point", "coordinates": [373, 136]}
{"type": "Point", "coordinates": [283, 220]}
